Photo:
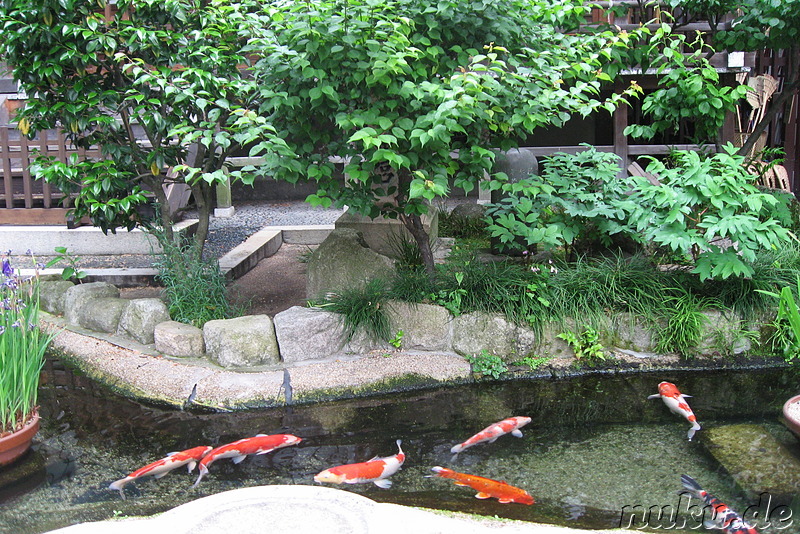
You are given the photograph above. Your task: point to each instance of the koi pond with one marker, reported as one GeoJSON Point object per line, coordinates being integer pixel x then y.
{"type": "Point", "coordinates": [595, 446]}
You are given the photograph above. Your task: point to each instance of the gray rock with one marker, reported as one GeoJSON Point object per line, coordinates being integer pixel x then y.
{"type": "Point", "coordinates": [308, 333]}
{"type": "Point", "coordinates": [313, 334]}
{"type": "Point", "coordinates": [723, 334]}
{"type": "Point", "coordinates": [140, 318]}
{"type": "Point", "coordinates": [631, 334]}
{"type": "Point", "coordinates": [381, 234]}
{"type": "Point", "coordinates": [241, 342]}
{"type": "Point", "coordinates": [103, 315]}
{"type": "Point", "coordinates": [79, 295]}
{"type": "Point", "coordinates": [52, 294]}
{"type": "Point", "coordinates": [469, 210]}
{"type": "Point", "coordinates": [479, 331]}
{"type": "Point", "coordinates": [179, 339]}
{"type": "Point", "coordinates": [424, 326]}
{"type": "Point", "coordinates": [343, 261]}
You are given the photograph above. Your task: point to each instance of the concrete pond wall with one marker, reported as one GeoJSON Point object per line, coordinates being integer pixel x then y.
{"type": "Point", "coordinates": [301, 334]}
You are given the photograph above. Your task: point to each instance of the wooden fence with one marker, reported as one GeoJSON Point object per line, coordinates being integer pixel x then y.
{"type": "Point", "coordinates": [23, 199]}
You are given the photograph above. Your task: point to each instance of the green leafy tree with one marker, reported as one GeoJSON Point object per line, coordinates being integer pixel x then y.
{"type": "Point", "coordinates": [156, 86]}
{"type": "Point", "coordinates": [418, 90]}
{"type": "Point", "coordinates": [756, 25]}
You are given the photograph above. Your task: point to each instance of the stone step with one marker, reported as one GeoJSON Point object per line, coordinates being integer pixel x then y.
{"type": "Point", "coordinates": [756, 460]}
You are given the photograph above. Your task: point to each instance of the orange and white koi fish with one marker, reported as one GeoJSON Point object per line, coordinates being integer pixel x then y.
{"type": "Point", "coordinates": [160, 468]}
{"type": "Point", "coordinates": [377, 471]}
{"type": "Point", "coordinates": [492, 432]}
{"type": "Point", "coordinates": [486, 487]}
{"type": "Point", "coordinates": [239, 450]}
{"type": "Point", "coordinates": [674, 400]}
{"type": "Point", "coordinates": [723, 518]}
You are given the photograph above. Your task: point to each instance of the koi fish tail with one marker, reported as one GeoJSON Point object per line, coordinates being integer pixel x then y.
{"type": "Point", "coordinates": [695, 427]}
{"type": "Point", "coordinates": [692, 486]}
{"type": "Point", "coordinates": [203, 472]}
{"type": "Point", "coordinates": [119, 485]}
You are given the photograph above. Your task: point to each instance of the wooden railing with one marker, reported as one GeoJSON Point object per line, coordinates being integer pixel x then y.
{"type": "Point", "coordinates": [23, 199]}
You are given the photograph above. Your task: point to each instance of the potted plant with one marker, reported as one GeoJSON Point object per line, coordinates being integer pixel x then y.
{"type": "Point", "coordinates": [22, 348]}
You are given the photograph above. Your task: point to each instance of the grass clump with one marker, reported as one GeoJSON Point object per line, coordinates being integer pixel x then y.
{"type": "Point", "coordinates": [362, 309]}
{"type": "Point", "coordinates": [195, 290]}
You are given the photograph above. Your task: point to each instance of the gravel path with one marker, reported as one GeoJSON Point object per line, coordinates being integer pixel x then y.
{"type": "Point", "coordinates": [224, 233]}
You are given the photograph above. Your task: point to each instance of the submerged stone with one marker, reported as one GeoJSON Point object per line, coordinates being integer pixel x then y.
{"type": "Point", "coordinates": [755, 459]}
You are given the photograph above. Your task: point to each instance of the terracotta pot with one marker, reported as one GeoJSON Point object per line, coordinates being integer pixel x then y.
{"type": "Point", "coordinates": [793, 417]}
{"type": "Point", "coordinates": [15, 445]}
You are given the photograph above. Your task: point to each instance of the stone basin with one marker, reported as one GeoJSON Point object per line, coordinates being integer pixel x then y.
{"type": "Point", "coordinates": [791, 412]}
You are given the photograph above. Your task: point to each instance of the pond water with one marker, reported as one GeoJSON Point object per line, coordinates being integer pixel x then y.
{"type": "Point", "coordinates": [596, 445]}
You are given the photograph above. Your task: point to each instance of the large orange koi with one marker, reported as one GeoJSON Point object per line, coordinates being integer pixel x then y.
{"type": "Point", "coordinates": [377, 471]}
{"type": "Point", "coordinates": [492, 432]}
{"type": "Point", "coordinates": [161, 467]}
{"type": "Point", "coordinates": [239, 450]}
{"type": "Point", "coordinates": [486, 487]}
{"type": "Point", "coordinates": [674, 400]}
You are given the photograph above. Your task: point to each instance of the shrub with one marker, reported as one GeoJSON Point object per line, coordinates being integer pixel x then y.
{"type": "Point", "coordinates": [576, 197]}
{"type": "Point", "coordinates": [487, 364]}
{"type": "Point", "coordinates": [709, 207]}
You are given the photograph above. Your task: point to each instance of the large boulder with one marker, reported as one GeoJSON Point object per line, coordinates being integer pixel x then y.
{"type": "Point", "coordinates": [80, 295]}
{"type": "Point", "coordinates": [478, 331]}
{"type": "Point", "coordinates": [52, 294]}
{"type": "Point", "coordinates": [313, 334]}
{"type": "Point", "coordinates": [343, 261]}
{"type": "Point", "coordinates": [241, 342]}
{"type": "Point", "coordinates": [723, 334]}
{"type": "Point", "coordinates": [179, 339]}
{"type": "Point", "coordinates": [140, 318]}
{"type": "Point", "coordinates": [103, 315]}
{"type": "Point", "coordinates": [424, 326]}
{"type": "Point", "coordinates": [756, 461]}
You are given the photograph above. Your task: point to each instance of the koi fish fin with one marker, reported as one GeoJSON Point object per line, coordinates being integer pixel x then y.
{"type": "Point", "coordinates": [261, 435]}
{"type": "Point", "coordinates": [191, 465]}
{"type": "Point", "coordinates": [517, 433]}
{"type": "Point", "coordinates": [383, 483]}
{"type": "Point", "coordinates": [482, 495]}
{"type": "Point", "coordinates": [685, 396]}
{"type": "Point", "coordinates": [454, 458]}
{"type": "Point", "coordinates": [504, 500]}
{"type": "Point", "coordinates": [172, 453]}
{"type": "Point", "coordinates": [238, 459]}
{"type": "Point", "coordinates": [461, 484]}
{"type": "Point", "coordinates": [160, 475]}
{"type": "Point", "coordinates": [493, 439]}
{"type": "Point", "coordinates": [691, 484]}
{"type": "Point", "coordinates": [656, 396]}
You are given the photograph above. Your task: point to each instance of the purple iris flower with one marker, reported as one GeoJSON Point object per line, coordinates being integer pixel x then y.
{"type": "Point", "coordinates": [7, 269]}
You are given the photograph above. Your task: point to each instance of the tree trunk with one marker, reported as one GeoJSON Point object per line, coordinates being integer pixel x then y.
{"type": "Point", "coordinates": [414, 225]}
{"type": "Point", "coordinates": [203, 198]}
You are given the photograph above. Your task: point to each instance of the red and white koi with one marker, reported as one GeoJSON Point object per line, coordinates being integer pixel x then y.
{"type": "Point", "coordinates": [239, 450]}
{"type": "Point", "coordinates": [489, 434]}
{"type": "Point", "coordinates": [486, 487]}
{"type": "Point", "coordinates": [377, 471]}
{"type": "Point", "coordinates": [723, 518]}
{"type": "Point", "coordinates": [160, 468]}
{"type": "Point", "coordinates": [674, 400]}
